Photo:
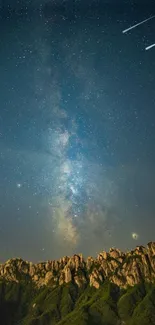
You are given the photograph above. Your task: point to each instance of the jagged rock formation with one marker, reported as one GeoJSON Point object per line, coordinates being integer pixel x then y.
{"type": "Point", "coordinates": [120, 268]}
{"type": "Point", "coordinates": [115, 288]}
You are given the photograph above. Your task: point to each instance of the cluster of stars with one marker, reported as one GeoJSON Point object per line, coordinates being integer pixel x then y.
{"type": "Point", "coordinates": [76, 127]}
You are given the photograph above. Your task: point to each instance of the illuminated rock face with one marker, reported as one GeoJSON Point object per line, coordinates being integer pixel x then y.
{"type": "Point", "coordinates": [120, 268]}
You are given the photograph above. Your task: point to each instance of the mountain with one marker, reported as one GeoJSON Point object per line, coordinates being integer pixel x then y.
{"type": "Point", "coordinates": [116, 288]}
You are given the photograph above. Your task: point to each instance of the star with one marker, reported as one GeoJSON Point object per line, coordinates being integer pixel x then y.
{"type": "Point", "coordinates": [135, 236]}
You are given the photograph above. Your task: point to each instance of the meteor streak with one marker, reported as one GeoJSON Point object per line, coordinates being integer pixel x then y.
{"type": "Point", "coordinates": [149, 47]}
{"type": "Point", "coordinates": [134, 26]}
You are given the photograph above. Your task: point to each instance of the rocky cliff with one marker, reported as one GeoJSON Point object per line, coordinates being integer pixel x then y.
{"type": "Point", "coordinates": [120, 268]}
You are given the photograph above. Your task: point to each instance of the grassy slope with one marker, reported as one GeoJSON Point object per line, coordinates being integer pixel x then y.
{"type": "Point", "coordinates": [22, 304]}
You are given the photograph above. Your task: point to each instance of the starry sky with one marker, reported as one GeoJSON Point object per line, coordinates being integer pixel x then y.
{"type": "Point", "coordinates": [77, 128]}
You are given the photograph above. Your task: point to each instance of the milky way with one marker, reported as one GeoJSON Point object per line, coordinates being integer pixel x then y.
{"type": "Point", "coordinates": [76, 131]}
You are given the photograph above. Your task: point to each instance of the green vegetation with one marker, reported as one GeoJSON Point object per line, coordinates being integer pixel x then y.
{"type": "Point", "coordinates": [23, 304]}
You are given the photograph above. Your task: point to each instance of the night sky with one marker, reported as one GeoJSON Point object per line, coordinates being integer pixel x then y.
{"type": "Point", "coordinates": [77, 128]}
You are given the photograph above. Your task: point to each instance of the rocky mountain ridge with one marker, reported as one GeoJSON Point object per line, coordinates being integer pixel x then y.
{"type": "Point", "coordinates": [120, 268]}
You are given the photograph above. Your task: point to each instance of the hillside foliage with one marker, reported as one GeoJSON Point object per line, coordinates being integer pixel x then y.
{"type": "Point", "coordinates": [24, 304]}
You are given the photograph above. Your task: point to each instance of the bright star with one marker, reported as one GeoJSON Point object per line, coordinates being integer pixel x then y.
{"type": "Point", "coordinates": [135, 236]}
{"type": "Point", "coordinates": [74, 191]}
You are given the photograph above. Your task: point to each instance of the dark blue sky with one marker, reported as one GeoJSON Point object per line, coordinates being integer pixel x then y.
{"type": "Point", "coordinates": [77, 128]}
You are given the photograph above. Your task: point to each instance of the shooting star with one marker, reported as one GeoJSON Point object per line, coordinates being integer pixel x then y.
{"type": "Point", "coordinates": [134, 26]}
{"type": "Point", "coordinates": [149, 47]}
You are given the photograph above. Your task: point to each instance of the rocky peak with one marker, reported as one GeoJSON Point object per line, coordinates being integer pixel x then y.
{"type": "Point", "coordinates": [120, 268]}
{"type": "Point", "coordinates": [151, 248]}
